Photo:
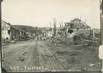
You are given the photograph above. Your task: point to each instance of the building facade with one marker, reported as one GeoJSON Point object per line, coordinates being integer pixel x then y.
{"type": "Point", "coordinates": [5, 30]}
{"type": "Point", "coordinates": [10, 33]}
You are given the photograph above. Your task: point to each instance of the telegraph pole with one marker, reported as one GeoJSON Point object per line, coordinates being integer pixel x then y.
{"type": "Point", "coordinates": [54, 29]}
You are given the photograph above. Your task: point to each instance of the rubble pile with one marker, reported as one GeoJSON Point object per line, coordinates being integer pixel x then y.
{"type": "Point", "coordinates": [76, 32]}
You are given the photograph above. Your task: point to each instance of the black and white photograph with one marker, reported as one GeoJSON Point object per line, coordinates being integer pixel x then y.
{"type": "Point", "coordinates": [51, 35]}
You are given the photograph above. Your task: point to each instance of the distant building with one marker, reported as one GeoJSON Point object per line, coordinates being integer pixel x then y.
{"type": "Point", "coordinates": [10, 33]}
{"type": "Point", "coordinates": [5, 30]}
{"type": "Point", "coordinates": [76, 26]}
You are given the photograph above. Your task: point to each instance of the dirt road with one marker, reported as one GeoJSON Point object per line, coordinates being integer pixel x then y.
{"type": "Point", "coordinates": [29, 56]}
{"type": "Point", "coordinates": [36, 56]}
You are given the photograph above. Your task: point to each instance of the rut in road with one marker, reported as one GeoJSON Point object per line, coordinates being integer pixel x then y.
{"type": "Point", "coordinates": [50, 59]}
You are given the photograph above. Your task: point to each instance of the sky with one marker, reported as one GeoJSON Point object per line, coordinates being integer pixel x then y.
{"type": "Point", "coordinates": [42, 12]}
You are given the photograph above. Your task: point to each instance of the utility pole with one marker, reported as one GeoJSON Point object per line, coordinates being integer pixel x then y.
{"type": "Point", "coordinates": [54, 29]}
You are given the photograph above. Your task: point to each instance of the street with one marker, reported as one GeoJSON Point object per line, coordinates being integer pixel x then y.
{"type": "Point", "coordinates": [39, 56]}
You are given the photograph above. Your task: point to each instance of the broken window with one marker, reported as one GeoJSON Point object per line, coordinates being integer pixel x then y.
{"type": "Point", "coordinates": [70, 31]}
{"type": "Point", "coordinates": [8, 31]}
